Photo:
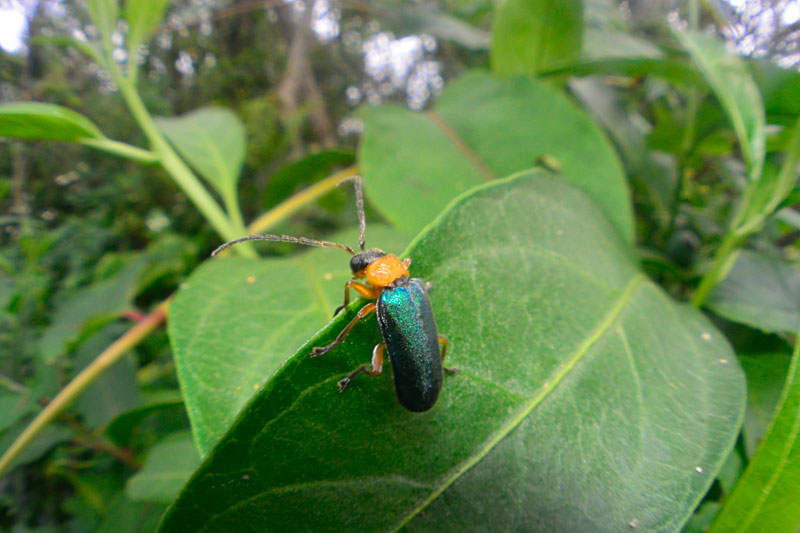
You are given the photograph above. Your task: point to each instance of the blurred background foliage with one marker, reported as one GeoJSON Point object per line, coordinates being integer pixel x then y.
{"type": "Point", "coordinates": [89, 242]}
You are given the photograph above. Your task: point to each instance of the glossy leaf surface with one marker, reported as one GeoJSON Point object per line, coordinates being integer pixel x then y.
{"type": "Point", "coordinates": [482, 128]}
{"type": "Point", "coordinates": [236, 320]}
{"type": "Point", "coordinates": [586, 398]}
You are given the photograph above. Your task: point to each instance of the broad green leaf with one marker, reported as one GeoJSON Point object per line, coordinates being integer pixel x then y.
{"type": "Point", "coordinates": [766, 374]}
{"type": "Point", "coordinates": [104, 15]}
{"type": "Point", "coordinates": [766, 497]}
{"type": "Point", "coordinates": [586, 399]}
{"type": "Point", "coordinates": [760, 291]}
{"type": "Point", "coordinates": [532, 36]}
{"type": "Point", "coordinates": [729, 78]}
{"type": "Point", "coordinates": [167, 467]}
{"type": "Point", "coordinates": [88, 309]}
{"type": "Point", "coordinates": [235, 321]}
{"type": "Point", "coordinates": [213, 141]}
{"type": "Point", "coordinates": [481, 128]}
{"type": "Point", "coordinates": [142, 16]}
{"type": "Point", "coordinates": [33, 120]}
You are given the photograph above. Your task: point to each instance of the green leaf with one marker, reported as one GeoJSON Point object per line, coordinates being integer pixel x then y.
{"type": "Point", "coordinates": [760, 291]}
{"type": "Point", "coordinates": [766, 195]}
{"type": "Point", "coordinates": [305, 171]}
{"type": "Point", "coordinates": [765, 498]}
{"type": "Point", "coordinates": [116, 390]}
{"type": "Point", "coordinates": [88, 309]}
{"type": "Point", "coordinates": [586, 398]}
{"type": "Point", "coordinates": [142, 16]}
{"type": "Point", "coordinates": [33, 120]}
{"type": "Point", "coordinates": [235, 320]}
{"type": "Point", "coordinates": [167, 467]}
{"type": "Point", "coordinates": [13, 406]}
{"type": "Point", "coordinates": [614, 45]}
{"type": "Point", "coordinates": [213, 141]}
{"type": "Point", "coordinates": [766, 374]}
{"type": "Point", "coordinates": [125, 516]}
{"type": "Point", "coordinates": [532, 36]}
{"type": "Point", "coordinates": [779, 87]}
{"type": "Point", "coordinates": [122, 428]}
{"type": "Point", "coordinates": [481, 128]}
{"type": "Point", "coordinates": [104, 15]}
{"type": "Point", "coordinates": [729, 78]}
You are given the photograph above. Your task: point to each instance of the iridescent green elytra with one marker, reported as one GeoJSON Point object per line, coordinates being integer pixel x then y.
{"type": "Point", "coordinates": [406, 322]}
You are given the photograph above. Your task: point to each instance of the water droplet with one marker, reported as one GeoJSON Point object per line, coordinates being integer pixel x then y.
{"type": "Point", "coordinates": [706, 336]}
{"type": "Point", "coordinates": [723, 361]}
{"type": "Point", "coordinates": [699, 469]}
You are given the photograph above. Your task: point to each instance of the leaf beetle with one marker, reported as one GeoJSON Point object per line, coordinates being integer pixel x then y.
{"type": "Point", "coordinates": [403, 310]}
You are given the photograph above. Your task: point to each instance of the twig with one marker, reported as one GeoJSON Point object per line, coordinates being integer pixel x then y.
{"type": "Point", "coordinates": [74, 388]}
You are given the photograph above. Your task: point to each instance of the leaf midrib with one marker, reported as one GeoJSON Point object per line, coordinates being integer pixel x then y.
{"type": "Point", "coordinates": [549, 386]}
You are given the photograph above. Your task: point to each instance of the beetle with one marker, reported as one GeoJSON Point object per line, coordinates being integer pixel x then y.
{"type": "Point", "coordinates": [403, 310]}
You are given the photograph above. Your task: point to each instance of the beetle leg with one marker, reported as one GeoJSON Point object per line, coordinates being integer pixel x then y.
{"type": "Point", "coordinates": [444, 343]}
{"type": "Point", "coordinates": [360, 288]}
{"type": "Point", "coordinates": [367, 309]}
{"type": "Point", "coordinates": [377, 366]}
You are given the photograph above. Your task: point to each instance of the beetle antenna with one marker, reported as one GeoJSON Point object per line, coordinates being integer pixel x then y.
{"type": "Point", "coordinates": [362, 220]}
{"type": "Point", "coordinates": [285, 238]}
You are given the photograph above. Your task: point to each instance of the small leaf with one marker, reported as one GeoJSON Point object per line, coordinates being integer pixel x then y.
{"type": "Point", "coordinates": [13, 406]}
{"type": "Point", "coordinates": [213, 141]}
{"type": "Point", "coordinates": [529, 37]}
{"type": "Point", "coordinates": [121, 429]}
{"type": "Point", "coordinates": [586, 398]}
{"type": "Point", "coordinates": [104, 15]}
{"type": "Point", "coordinates": [760, 291]}
{"type": "Point", "coordinates": [236, 320]}
{"type": "Point", "coordinates": [125, 516]}
{"type": "Point", "coordinates": [729, 78]}
{"type": "Point", "coordinates": [142, 16]}
{"type": "Point", "coordinates": [309, 169]}
{"type": "Point", "coordinates": [114, 392]}
{"type": "Point", "coordinates": [88, 309]}
{"type": "Point", "coordinates": [34, 120]}
{"type": "Point", "coordinates": [167, 467]}
{"type": "Point", "coordinates": [765, 499]}
{"type": "Point", "coordinates": [766, 374]}
{"type": "Point", "coordinates": [481, 128]}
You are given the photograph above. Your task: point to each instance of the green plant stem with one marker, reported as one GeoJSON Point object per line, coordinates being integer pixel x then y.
{"type": "Point", "coordinates": [122, 149]}
{"type": "Point", "coordinates": [86, 377]}
{"type": "Point", "coordinates": [723, 261]}
{"type": "Point", "coordinates": [173, 164]}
